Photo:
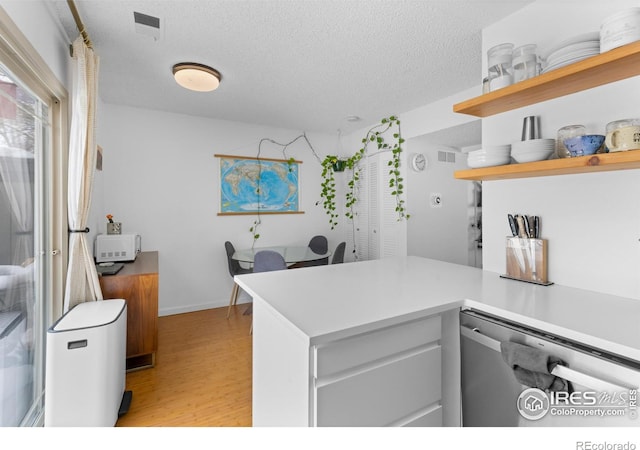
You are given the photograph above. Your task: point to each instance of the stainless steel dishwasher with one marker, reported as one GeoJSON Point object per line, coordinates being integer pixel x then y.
{"type": "Point", "coordinates": [603, 386]}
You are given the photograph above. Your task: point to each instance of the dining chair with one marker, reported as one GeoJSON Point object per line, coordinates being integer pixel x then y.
{"type": "Point", "coordinates": [234, 269]}
{"type": "Point", "coordinates": [320, 245]}
{"type": "Point", "coordinates": [267, 261]}
{"type": "Point", "coordinates": [338, 254]}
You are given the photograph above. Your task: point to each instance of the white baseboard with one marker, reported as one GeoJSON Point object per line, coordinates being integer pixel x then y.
{"type": "Point", "coordinates": [200, 307]}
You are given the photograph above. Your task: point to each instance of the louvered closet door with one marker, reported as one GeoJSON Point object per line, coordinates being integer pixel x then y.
{"type": "Point", "coordinates": [392, 232]}
{"type": "Point", "coordinates": [366, 211]}
{"type": "Point", "coordinates": [378, 233]}
{"type": "Point", "coordinates": [373, 184]}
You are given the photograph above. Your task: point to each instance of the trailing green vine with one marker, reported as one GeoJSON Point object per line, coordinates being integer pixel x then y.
{"type": "Point", "coordinates": [331, 164]}
{"type": "Point", "coordinates": [395, 180]}
{"type": "Point", "coordinates": [254, 231]}
{"type": "Point", "coordinates": [352, 164]}
{"type": "Point", "coordinates": [328, 190]}
{"type": "Point", "coordinates": [375, 135]}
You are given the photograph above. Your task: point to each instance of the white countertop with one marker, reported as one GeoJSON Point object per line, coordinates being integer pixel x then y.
{"type": "Point", "coordinates": [328, 302]}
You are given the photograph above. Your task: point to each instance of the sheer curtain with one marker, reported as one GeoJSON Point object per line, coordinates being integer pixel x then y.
{"type": "Point", "coordinates": [17, 181]}
{"type": "Point", "coordinates": [82, 279]}
{"type": "Point", "coordinates": [16, 166]}
{"type": "Point", "coordinates": [18, 184]}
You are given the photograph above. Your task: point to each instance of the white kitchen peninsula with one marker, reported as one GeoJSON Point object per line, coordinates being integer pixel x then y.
{"type": "Point", "coordinates": [377, 342]}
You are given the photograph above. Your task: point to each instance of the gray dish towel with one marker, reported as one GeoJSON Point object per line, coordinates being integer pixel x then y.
{"type": "Point", "coordinates": [532, 367]}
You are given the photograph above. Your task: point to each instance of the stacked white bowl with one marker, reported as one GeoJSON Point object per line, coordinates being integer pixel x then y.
{"type": "Point", "coordinates": [494, 155]}
{"type": "Point", "coordinates": [532, 150]}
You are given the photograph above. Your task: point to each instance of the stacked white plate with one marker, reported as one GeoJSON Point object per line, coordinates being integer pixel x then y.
{"type": "Point", "coordinates": [620, 29]}
{"type": "Point", "coordinates": [533, 150]}
{"type": "Point", "coordinates": [572, 50]}
{"type": "Point", "coordinates": [495, 155]}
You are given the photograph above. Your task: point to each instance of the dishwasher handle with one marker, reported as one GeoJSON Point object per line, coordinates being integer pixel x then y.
{"type": "Point", "coordinates": [475, 335]}
{"type": "Point", "coordinates": [568, 374]}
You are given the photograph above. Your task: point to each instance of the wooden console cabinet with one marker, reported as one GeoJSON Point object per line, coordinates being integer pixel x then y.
{"type": "Point", "coordinates": [137, 283]}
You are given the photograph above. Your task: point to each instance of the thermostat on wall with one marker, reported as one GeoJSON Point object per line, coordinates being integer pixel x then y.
{"type": "Point", "coordinates": [436, 200]}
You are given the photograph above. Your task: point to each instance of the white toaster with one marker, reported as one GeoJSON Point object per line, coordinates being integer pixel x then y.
{"type": "Point", "coordinates": [117, 247]}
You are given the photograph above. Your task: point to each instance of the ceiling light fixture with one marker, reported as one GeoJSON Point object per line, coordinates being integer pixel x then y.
{"type": "Point", "coordinates": [196, 77]}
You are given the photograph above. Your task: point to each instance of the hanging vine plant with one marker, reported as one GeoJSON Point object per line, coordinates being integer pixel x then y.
{"type": "Point", "coordinates": [375, 135]}
{"type": "Point", "coordinates": [328, 189]}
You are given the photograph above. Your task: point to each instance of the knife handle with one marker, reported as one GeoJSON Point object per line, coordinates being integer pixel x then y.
{"type": "Point", "coordinates": [536, 227]}
{"type": "Point", "coordinates": [532, 227]}
{"type": "Point", "coordinates": [520, 222]}
{"type": "Point", "coordinates": [513, 225]}
{"type": "Point", "coordinates": [527, 229]}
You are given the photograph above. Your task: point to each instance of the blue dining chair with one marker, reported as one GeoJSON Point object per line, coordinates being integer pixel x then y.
{"type": "Point", "coordinates": [234, 269]}
{"type": "Point", "coordinates": [267, 261]}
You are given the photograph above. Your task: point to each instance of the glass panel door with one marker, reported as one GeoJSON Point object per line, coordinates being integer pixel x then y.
{"type": "Point", "coordinates": [24, 143]}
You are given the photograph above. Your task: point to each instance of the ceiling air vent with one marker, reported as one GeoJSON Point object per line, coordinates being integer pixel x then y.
{"type": "Point", "coordinates": [147, 25]}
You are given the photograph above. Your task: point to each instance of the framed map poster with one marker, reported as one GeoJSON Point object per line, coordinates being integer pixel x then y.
{"type": "Point", "coordinates": [258, 185]}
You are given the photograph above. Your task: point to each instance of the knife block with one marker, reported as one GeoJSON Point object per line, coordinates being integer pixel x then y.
{"type": "Point", "coordinates": [527, 259]}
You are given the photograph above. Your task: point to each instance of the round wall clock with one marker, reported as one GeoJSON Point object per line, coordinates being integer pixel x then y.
{"type": "Point", "coordinates": [418, 162]}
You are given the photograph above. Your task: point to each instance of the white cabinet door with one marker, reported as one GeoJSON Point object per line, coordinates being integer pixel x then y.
{"type": "Point", "coordinates": [389, 394]}
{"type": "Point", "coordinates": [391, 376]}
{"type": "Point", "coordinates": [365, 349]}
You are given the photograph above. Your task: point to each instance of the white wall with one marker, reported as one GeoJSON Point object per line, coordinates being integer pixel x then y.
{"type": "Point", "coordinates": [592, 221]}
{"type": "Point", "coordinates": [437, 232]}
{"type": "Point", "coordinates": [440, 234]}
{"type": "Point", "coordinates": [161, 180]}
{"type": "Point", "coordinates": [438, 115]}
{"type": "Point", "coordinates": [96, 219]}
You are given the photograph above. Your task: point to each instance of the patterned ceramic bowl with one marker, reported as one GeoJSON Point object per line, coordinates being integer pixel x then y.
{"type": "Point", "coordinates": [584, 145]}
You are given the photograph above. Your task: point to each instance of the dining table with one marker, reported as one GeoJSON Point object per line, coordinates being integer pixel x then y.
{"type": "Point", "coordinates": [292, 254]}
{"type": "Point", "coordinates": [294, 257]}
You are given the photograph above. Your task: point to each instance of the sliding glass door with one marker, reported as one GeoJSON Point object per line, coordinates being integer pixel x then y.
{"type": "Point", "coordinates": [25, 143]}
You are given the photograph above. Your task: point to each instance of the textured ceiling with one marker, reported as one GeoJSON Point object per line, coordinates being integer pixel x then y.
{"type": "Point", "coordinates": [299, 64]}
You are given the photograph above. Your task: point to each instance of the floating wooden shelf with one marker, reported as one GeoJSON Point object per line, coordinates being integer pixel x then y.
{"type": "Point", "coordinates": [601, 162]}
{"type": "Point", "coordinates": [614, 65]}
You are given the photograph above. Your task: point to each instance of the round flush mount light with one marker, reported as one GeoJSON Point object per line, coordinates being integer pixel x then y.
{"type": "Point", "coordinates": [196, 77]}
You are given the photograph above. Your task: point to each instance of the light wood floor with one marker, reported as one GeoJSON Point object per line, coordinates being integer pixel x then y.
{"type": "Point", "coordinates": [202, 375]}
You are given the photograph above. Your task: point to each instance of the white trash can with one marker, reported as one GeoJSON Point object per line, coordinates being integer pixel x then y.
{"type": "Point", "coordinates": [85, 371]}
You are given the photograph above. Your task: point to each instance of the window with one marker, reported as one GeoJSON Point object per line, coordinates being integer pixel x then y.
{"type": "Point", "coordinates": [32, 214]}
{"type": "Point", "coordinates": [24, 133]}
